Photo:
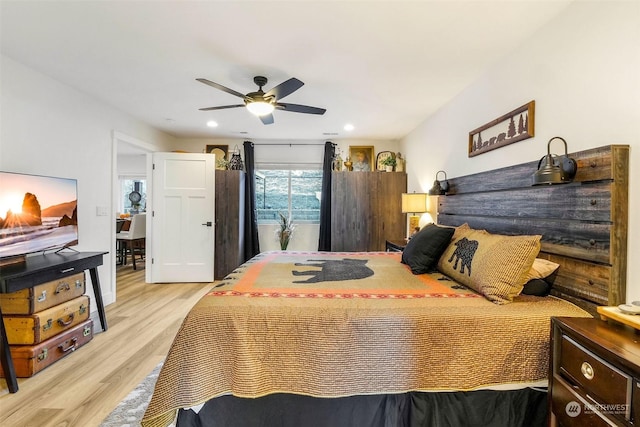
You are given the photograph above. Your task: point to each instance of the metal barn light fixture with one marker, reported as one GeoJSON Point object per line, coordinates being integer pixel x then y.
{"type": "Point", "coordinates": [555, 170]}
{"type": "Point", "coordinates": [439, 187]}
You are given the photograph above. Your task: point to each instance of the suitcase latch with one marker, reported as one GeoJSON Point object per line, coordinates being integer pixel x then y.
{"type": "Point", "coordinates": [47, 325]}
{"type": "Point", "coordinates": [86, 331]}
{"type": "Point", "coordinates": [78, 284]}
{"type": "Point", "coordinates": [43, 355]}
{"type": "Point", "coordinates": [82, 309]}
{"type": "Point", "coordinates": [43, 296]}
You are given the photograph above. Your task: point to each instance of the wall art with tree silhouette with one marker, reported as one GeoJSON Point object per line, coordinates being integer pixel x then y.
{"type": "Point", "coordinates": [514, 126]}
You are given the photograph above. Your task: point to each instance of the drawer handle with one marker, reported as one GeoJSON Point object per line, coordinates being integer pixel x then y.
{"type": "Point", "coordinates": [587, 370]}
{"type": "Point", "coordinates": [67, 270]}
{"type": "Point", "coordinates": [70, 321]}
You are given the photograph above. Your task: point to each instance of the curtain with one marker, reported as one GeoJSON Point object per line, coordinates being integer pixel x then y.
{"type": "Point", "coordinates": [324, 242]}
{"type": "Point", "coordinates": [251, 243]}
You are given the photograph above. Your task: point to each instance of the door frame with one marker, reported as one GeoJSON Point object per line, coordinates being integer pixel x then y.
{"type": "Point", "coordinates": [118, 138]}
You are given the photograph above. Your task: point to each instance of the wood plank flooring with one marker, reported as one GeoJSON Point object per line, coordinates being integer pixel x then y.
{"type": "Point", "coordinates": [83, 388]}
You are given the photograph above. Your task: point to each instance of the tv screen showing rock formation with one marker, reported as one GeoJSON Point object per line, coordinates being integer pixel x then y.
{"type": "Point", "coordinates": [37, 213]}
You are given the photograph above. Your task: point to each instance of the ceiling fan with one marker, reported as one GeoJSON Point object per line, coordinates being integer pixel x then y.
{"type": "Point", "coordinates": [262, 104]}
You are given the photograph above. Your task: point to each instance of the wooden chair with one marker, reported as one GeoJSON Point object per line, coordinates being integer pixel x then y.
{"type": "Point", "coordinates": [133, 240]}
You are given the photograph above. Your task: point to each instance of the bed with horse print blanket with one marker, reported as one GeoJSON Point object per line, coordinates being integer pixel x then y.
{"type": "Point", "coordinates": [344, 324]}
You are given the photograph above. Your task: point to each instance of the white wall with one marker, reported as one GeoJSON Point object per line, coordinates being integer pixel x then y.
{"type": "Point", "coordinates": [583, 71]}
{"type": "Point", "coordinates": [132, 165]}
{"type": "Point", "coordinates": [51, 129]}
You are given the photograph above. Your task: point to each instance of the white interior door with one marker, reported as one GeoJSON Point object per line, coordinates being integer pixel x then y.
{"type": "Point", "coordinates": [182, 236]}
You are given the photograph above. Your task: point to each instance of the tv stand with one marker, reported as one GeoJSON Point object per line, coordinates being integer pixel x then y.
{"type": "Point", "coordinates": [40, 269]}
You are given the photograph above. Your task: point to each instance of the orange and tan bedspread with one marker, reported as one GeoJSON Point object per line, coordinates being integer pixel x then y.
{"type": "Point", "coordinates": [284, 322]}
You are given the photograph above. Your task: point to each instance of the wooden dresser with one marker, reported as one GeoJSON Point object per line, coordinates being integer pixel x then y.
{"type": "Point", "coordinates": [594, 378]}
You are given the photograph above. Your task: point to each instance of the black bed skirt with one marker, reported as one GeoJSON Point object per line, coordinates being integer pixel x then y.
{"type": "Point", "coordinates": [525, 407]}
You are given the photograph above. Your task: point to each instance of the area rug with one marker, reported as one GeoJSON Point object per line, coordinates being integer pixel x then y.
{"type": "Point", "coordinates": [129, 412]}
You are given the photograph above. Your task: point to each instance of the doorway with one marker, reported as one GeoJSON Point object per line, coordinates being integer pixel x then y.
{"type": "Point", "coordinates": [129, 159]}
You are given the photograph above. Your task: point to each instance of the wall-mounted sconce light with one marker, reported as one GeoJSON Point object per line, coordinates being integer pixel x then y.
{"type": "Point", "coordinates": [553, 169]}
{"type": "Point", "coordinates": [439, 187]}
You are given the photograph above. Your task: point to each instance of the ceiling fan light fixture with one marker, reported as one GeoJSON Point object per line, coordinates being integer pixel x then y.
{"type": "Point", "coordinates": [260, 108]}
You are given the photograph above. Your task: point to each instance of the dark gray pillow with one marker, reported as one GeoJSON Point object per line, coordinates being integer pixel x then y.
{"type": "Point", "coordinates": [424, 249]}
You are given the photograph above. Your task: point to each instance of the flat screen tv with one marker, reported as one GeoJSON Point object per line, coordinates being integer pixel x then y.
{"type": "Point", "coordinates": [37, 213]}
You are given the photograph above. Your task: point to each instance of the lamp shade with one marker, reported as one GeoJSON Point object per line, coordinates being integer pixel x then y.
{"type": "Point", "coordinates": [414, 202]}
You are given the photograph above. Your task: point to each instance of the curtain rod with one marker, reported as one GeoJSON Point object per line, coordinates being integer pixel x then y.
{"type": "Point", "coordinates": [290, 145]}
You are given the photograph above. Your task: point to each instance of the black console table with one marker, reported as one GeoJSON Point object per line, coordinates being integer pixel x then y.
{"type": "Point", "coordinates": [39, 269]}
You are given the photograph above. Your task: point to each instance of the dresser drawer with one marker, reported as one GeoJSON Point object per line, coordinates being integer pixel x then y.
{"type": "Point", "coordinates": [599, 380]}
{"type": "Point", "coordinates": [570, 409]}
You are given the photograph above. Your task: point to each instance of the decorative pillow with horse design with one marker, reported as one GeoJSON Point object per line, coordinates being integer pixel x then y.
{"type": "Point", "coordinates": [492, 264]}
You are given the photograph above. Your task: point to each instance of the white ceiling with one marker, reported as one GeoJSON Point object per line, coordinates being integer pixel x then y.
{"type": "Point", "coordinates": [383, 66]}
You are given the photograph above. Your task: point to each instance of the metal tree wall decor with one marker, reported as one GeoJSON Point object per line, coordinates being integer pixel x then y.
{"type": "Point", "coordinates": [507, 129]}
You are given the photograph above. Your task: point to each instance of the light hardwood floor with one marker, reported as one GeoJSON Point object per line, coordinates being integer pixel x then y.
{"type": "Point", "coordinates": [84, 387]}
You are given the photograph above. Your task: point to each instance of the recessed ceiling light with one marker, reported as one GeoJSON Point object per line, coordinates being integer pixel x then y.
{"type": "Point", "coordinates": [349, 127]}
{"type": "Point", "coordinates": [212, 124]}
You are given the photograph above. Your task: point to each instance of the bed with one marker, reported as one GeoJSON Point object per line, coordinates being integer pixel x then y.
{"type": "Point", "coordinates": [293, 338]}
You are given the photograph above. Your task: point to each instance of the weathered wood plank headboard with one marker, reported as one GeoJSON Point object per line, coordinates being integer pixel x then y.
{"type": "Point", "coordinates": [583, 224]}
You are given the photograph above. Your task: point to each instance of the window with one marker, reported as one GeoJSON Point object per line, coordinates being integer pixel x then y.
{"type": "Point", "coordinates": [127, 186]}
{"type": "Point", "coordinates": [294, 193]}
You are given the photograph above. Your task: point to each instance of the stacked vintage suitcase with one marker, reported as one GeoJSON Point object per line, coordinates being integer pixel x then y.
{"type": "Point", "coordinates": [46, 323]}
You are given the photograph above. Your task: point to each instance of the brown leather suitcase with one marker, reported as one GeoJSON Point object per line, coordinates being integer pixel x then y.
{"type": "Point", "coordinates": [29, 329]}
{"type": "Point", "coordinates": [43, 296]}
{"type": "Point", "coordinates": [28, 360]}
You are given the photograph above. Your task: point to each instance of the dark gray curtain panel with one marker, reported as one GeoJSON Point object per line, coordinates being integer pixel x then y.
{"type": "Point", "coordinates": [251, 244]}
{"type": "Point", "coordinates": [324, 242]}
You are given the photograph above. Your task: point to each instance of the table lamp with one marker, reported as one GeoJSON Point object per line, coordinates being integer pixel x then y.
{"type": "Point", "coordinates": [414, 203]}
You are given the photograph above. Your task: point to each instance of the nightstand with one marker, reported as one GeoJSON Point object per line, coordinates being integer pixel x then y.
{"type": "Point", "coordinates": [594, 375]}
{"type": "Point", "coordinates": [396, 245]}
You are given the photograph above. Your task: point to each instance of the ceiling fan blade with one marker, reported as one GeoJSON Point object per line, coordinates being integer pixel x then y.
{"type": "Point", "coordinates": [222, 107]}
{"type": "Point", "coordinates": [222, 88]}
{"type": "Point", "coordinates": [267, 119]}
{"type": "Point", "coordinates": [285, 88]}
{"type": "Point", "coordinates": [297, 108]}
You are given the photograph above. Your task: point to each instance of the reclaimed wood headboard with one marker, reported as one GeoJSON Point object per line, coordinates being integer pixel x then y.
{"type": "Point", "coordinates": [583, 224]}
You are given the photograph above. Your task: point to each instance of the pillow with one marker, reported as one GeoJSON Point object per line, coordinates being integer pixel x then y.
{"type": "Point", "coordinates": [424, 249]}
{"type": "Point", "coordinates": [541, 269]}
{"type": "Point", "coordinates": [537, 287]}
{"type": "Point", "coordinates": [492, 264]}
